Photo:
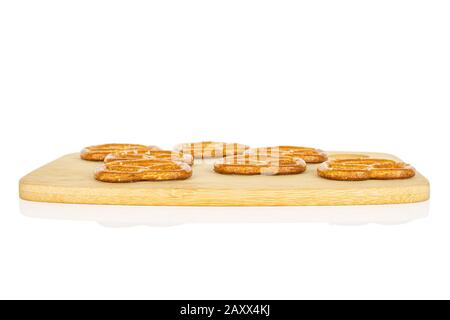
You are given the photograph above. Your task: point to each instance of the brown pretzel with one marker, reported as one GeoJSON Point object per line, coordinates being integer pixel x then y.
{"type": "Point", "coordinates": [150, 154]}
{"type": "Point", "coordinates": [310, 155]}
{"type": "Point", "coordinates": [99, 152]}
{"type": "Point", "coordinates": [255, 165]}
{"type": "Point", "coordinates": [208, 149]}
{"type": "Point", "coordinates": [143, 170]}
{"type": "Point", "coordinates": [364, 169]}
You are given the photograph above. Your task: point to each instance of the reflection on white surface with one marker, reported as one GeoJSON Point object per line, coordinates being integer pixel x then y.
{"type": "Point", "coordinates": [125, 216]}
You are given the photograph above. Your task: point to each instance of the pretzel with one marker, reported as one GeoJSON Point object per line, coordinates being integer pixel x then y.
{"type": "Point", "coordinates": [150, 154]}
{"type": "Point", "coordinates": [209, 149]}
{"type": "Point", "coordinates": [143, 170]}
{"type": "Point", "coordinates": [310, 155]}
{"type": "Point", "coordinates": [99, 152]}
{"type": "Point", "coordinates": [336, 156]}
{"type": "Point", "coordinates": [364, 169]}
{"type": "Point", "coordinates": [256, 165]}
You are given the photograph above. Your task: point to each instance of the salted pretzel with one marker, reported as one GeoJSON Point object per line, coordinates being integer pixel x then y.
{"type": "Point", "coordinates": [150, 154]}
{"type": "Point", "coordinates": [310, 155]}
{"type": "Point", "coordinates": [209, 149]}
{"type": "Point", "coordinates": [99, 152]}
{"type": "Point", "coordinates": [364, 169]}
{"type": "Point", "coordinates": [260, 165]}
{"type": "Point", "coordinates": [143, 170]}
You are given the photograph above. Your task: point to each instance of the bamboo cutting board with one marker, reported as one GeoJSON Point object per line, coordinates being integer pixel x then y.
{"type": "Point", "coordinates": [70, 180]}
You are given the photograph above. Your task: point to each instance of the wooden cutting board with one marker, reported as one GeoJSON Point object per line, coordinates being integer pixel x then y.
{"type": "Point", "coordinates": [70, 180]}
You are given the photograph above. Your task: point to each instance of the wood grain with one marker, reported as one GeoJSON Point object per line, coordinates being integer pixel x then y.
{"type": "Point", "coordinates": [70, 180]}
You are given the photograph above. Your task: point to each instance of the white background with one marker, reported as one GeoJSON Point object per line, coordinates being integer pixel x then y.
{"type": "Point", "coordinates": [339, 75]}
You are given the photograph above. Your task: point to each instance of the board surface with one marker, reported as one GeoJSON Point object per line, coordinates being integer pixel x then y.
{"type": "Point", "coordinates": [70, 180]}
